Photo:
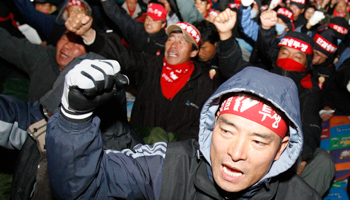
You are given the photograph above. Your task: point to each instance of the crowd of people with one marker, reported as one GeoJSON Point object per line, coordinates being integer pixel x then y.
{"type": "Point", "coordinates": [229, 97]}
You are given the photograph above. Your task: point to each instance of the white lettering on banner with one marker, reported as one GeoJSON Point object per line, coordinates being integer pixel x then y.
{"type": "Point", "coordinates": [285, 12]}
{"type": "Point", "coordinates": [290, 42]}
{"type": "Point", "coordinates": [189, 29]}
{"type": "Point", "coordinates": [173, 76]}
{"type": "Point", "coordinates": [266, 112]}
{"type": "Point", "coordinates": [340, 29]}
{"type": "Point", "coordinates": [237, 103]}
{"type": "Point", "coordinates": [326, 45]}
{"type": "Point", "coordinates": [248, 103]}
{"type": "Point", "coordinates": [167, 78]}
{"type": "Point", "coordinates": [228, 102]}
{"type": "Point", "coordinates": [304, 47]}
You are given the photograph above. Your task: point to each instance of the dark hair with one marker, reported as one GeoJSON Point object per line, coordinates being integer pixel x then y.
{"type": "Point", "coordinates": [208, 31]}
{"type": "Point", "coordinates": [157, 2]}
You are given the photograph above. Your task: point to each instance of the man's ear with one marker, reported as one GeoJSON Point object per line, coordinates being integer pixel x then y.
{"type": "Point", "coordinates": [164, 24]}
{"type": "Point", "coordinates": [282, 147]}
{"type": "Point", "coordinates": [302, 11]}
{"type": "Point", "coordinates": [194, 53]}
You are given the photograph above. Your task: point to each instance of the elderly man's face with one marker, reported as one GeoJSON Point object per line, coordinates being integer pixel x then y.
{"type": "Point", "coordinates": [68, 47]}
{"type": "Point", "coordinates": [242, 152]}
{"type": "Point", "coordinates": [178, 50]}
{"type": "Point", "coordinates": [296, 55]}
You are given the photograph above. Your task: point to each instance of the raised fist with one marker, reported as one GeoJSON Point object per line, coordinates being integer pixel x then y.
{"type": "Point", "coordinates": [88, 85]}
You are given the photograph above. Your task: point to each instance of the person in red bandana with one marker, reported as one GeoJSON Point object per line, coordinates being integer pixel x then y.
{"type": "Point", "coordinates": [292, 57]}
{"type": "Point", "coordinates": [171, 89]}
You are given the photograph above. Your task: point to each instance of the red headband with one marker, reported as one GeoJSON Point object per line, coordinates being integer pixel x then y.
{"type": "Point", "coordinates": [324, 44]}
{"type": "Point", "coordinates": [255, 111]}
{"type": "Point", "coordinates": [156, 11]}
{"type": "Point", "coordinates": [296, 44]}
{"type": "Point", "coordinates": [285, 12]}
{"type": "Point", "coordinates": [338, 28]}
{"type": "Point", "coordinates": [75, 3]}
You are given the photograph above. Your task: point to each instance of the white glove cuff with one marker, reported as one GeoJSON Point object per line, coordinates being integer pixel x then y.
{"type": "Point", "coordinates": [76, 117]}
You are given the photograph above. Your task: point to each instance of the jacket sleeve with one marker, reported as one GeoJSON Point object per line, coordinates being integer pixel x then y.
{"type": "Point", "coordinates": [188, 11]}
{"type": "Point", "coordinates": [247, 25]}
{"type": "Point", "coordinates": [80, 169]}
{"type": "Point", "coordinates": [110, 47]}
{"type": "Point", "coordinates": [267, 43]}
{"type": "Point", "coordinates": [310, 103]}
{"type": "Point", "coordinates": [40, 21]}
{"type": "Point", "coordinates": [15, 118]}
{"type": "Point", "coordinates": [127, 25]}
{"type": "Point", "coordinates": [20, 52]}
{"type": "Point", "coordinates": [230, 57]}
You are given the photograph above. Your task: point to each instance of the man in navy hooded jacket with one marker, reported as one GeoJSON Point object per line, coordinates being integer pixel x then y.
{"type": "Point", "coordinates": [249, 139]}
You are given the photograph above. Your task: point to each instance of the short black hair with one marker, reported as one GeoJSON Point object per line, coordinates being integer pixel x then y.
{"type": "Point", "coordinates": [208, 31]}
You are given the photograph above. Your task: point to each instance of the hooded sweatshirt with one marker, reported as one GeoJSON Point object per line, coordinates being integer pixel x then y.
{"type": "Point", "coordinates": [79, 168]}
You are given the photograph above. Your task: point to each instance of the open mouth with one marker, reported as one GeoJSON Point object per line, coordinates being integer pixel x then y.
{"type": "Point", "coordinates": [232, 172]}
{"type": "Point", "coordinates": [63, 55]}
{"type": "Point", "coordinates": [171, 54]}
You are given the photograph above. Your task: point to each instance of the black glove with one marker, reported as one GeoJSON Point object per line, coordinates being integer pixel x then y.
{"type": "Point", "coordinates": [88, 85]}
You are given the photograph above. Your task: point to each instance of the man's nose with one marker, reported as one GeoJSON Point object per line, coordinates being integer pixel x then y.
{"type": "Point", "coordinates": [68, 45]}
{"type": "Point", "coordinates": [238, 149]}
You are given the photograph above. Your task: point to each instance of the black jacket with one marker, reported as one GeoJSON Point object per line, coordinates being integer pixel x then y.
{"type": "Point", "coordinates": [134, 32]}
{"type": "Point", "coordinates": [195, 172]}
{"type": "Point", "coordinates": [151, 108]}
{"type": "Point", "coordinates": [37, 61]}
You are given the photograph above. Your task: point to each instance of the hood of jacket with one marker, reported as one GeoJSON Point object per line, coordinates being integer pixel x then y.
{"type": "Point", "coordinates": [279, 90]}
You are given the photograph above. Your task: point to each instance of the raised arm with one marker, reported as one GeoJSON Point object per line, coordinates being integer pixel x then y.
{"type": "Point", "coordinates": [42, 22]}
{"type": "Point", "coordinates": [127, 25]}
{"type": "Point", "coordinates": [229, 53]}
{"type": "Point", "coordinates": [78, 166]}
{"type": "Point", "coordinates": [20, 52]}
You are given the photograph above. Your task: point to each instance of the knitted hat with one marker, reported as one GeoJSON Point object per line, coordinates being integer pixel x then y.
{"type": "Point", "coordinates": [191, 34]}
{"type": "Point", "coordinates": [326, 42]}
{"type": "Point", "coordinates": [300, 3]}
{"type": "Point", "coordinates": [286, 14]}
{"type": "Point", "coordinates": [340, 26]}
{"type": "Point", "coordinates": [301, 42]}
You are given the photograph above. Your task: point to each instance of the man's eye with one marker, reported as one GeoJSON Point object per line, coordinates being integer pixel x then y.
{"type": "Point", "coordinates": [259, 143]}
{"type": "Point", "coordinates": [225, 131]}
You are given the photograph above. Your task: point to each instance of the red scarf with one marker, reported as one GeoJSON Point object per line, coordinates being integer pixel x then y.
{"type": "Point", "coordinates": [339, 14]}
{"type": "Point", "coordinates": [175, 77]}
{"type": "Point", "coordinates": [292, 65]}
